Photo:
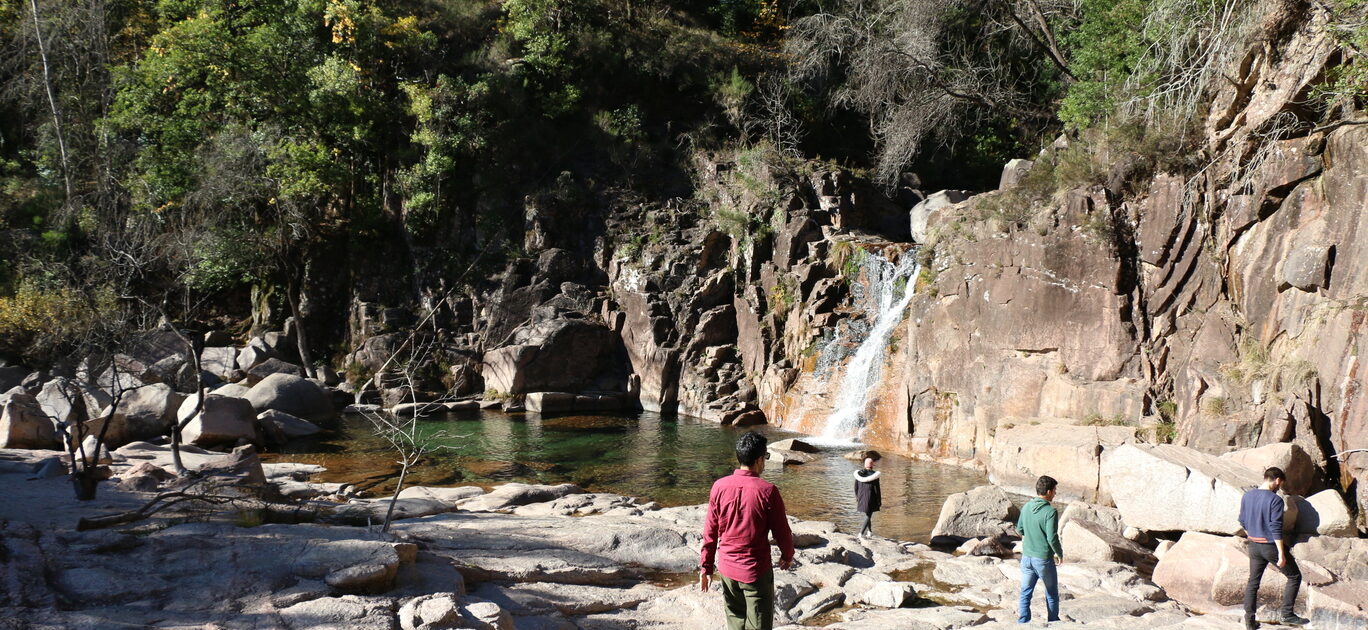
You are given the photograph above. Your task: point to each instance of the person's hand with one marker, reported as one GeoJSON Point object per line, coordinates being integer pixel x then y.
{"type": "Point", "coordinates": [785, 564]}
{"type": "Point", "coordinates": [1282, 560]}
{"type": "Point", "coordinates": [704, 580]}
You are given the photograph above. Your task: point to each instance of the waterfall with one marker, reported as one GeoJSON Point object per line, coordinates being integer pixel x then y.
{"type": "Point", "coordinates": [889, 290]}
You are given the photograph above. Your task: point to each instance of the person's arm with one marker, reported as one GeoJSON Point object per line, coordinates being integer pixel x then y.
{"type": "Point", "coordinates": [706, 561]}
{"type": "Point", "coordinates": [1052, 534]}
{"type": "Point", "coordinates": [1275, 534]}
{"type": "Point", "coordinates": [779, 525]}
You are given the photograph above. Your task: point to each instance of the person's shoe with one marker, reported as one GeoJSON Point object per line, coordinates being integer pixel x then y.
{"type": "Point", "coordinates": [1293, 620]}
{"type": "Point", "coordinates": [1251, 624]}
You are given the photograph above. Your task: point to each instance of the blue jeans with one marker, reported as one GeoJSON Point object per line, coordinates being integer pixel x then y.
{"type": "Point", "coordinates": [1033, 569]}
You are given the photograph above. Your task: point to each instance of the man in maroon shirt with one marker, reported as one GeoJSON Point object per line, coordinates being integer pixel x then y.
{"type": "Point", "coordinates": [742, 511]}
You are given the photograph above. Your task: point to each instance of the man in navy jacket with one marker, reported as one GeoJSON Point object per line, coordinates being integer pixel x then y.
{"type": "Point", "coordinates": [1261, 515]}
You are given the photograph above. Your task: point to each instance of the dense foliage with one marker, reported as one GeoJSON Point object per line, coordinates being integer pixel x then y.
{"type": "Point", "coordinates": [176, 150]}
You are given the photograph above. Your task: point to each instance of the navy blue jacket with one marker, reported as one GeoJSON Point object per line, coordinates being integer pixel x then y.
{"type": "Point", "coordinates": [1261, 515]}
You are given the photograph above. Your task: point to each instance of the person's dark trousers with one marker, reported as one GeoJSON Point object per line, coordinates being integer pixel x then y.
{"type": "Point", "coordinates": [749, 606]}
{"type": "Point", "coordinates": [1261, 555]}
{"type": "Point", "coordinates": [868, 529]}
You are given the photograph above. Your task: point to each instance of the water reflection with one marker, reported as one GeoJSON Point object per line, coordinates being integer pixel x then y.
{"type": "Point", "coordinates": [664, 458]}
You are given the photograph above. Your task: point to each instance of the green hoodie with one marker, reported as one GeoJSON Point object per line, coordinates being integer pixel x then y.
{"type": "Point", "coordinates": [1039, 529]}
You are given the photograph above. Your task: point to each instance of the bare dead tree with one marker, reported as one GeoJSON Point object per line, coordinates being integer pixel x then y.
{"type": "Point", "coordinates": [194, 349]}
{"type": "Point", "coordinates": [919, 76]}
{"type": "Point", "coordinates": [204, 491]}
{"type": "Point", "coordinates": [403, 434]}
{"type": "Point", "coordinates": [52, 99]}
{"type": "Point", "coordinates": [85, 474]}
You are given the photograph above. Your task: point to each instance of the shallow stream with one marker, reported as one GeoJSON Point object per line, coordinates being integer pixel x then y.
{"type": "Point", "coordinates": [662, 457]}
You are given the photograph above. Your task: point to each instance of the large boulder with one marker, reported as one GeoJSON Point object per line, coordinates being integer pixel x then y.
{"type": "Point", "coordinates": [288, 425]}
{"type": "Point", "coordinates": [888, 594]}
{"type": "Point", "coordinates": [253, 354]}
{"type": "Point", "coordinates": [1171, 488]}
{"type": "Point", "coordinates": [1301, 471]}
{"type": "Point", "coordinates": [64, 401]}
{"type": "Point", "coordinates": [272, 366]}
{"type": "Point", "coordinates": [221, 362]}
{"type": "Point", "coordinates": [794, 444]}
{"type": "Point", "coordinates": [783, 456]}
{"type": "Point", "coordinates": [1307, 268]}
{"type": "Point", "coordinates": [549, 402]}
{"type": "Point", "coordinates": [1207, 573]}
{"type": "Point", "coordinates": [1341, 558]}
{"type": "Point", "coordinates": [921, 213]}
{"type": "Point", "coordinates": [1071, 454]}
{"type": "Point", "coordinates": [559, 355]}
{"type": "Point", "coordinates": [1338, 605]}
{"type": "Point", "coordinates": [223, 421]}
{"type": "Point", "coordinates": [486, 616]}
{"type": "Point", "coordinates": [1326, 514]}
{"type": "Point", "coordinates": [983, 511]}
{"type": "Point", "coordinates": [439, 611]}
{"type": "Point", "coordinates": [291, 394]}
{"type": "Point", "coordinates": [147, 412]}
{"type": "Point", "coordinates": [1013, 172]}
{"type": "Point", "coordinates": [242, 466]}
{"type": "Point", "coordinates": [1089, 541]}
{"type": "Point", "coordinates": [23, 423]}
{"type": "Point", "coordinates": [1109, 518]}
{"type": "Point", "coordinates": [233, 389]}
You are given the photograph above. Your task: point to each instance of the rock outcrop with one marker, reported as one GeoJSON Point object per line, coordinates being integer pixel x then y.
{"type": "Point", "coordinates": [23, 423]}
{"type": "Point", "coordinates": [1172, 488]}
{"type": "Point", "coordinates": [983, 511]}
{"type": "Point", "coordinates": [221, 421]}
{"type": "Point", "coordinates": [1070, 454]}
{"type": "Point", "coordinates": [291, 394]}
{"type": "Point", "coordinates": [556, 355]}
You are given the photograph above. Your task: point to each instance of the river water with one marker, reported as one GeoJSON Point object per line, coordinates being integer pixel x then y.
{"type": "Point", "coordinates": [662, 457]}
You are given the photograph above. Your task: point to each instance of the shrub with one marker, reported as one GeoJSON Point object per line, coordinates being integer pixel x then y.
{"type": "Point", "coordinates": [1168, 410]}
{"type": "Point", "coordinates": [41, 323]}
{"type": "Point", "coordinates": [357, 373]}
{"type": "Point", "coordinates": [1348, 82]}
{"type": "Point", "coordinates": [1165, 432]}
{"type": "Point", "coordinates": [1095, 419]}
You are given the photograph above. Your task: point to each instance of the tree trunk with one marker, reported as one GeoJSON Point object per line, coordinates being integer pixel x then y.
{"type": "Point", "coordinates": [86, 484]}
{"type": "Point", "coordinates": [399, 487]}
{"type": "Point", "coordinates": [83, 467]}
{"type": "Point", "coordinates": [292, 292]}
{"type": "Point", "coordinates": [180, 424]}
{"type": "Point", "coordinates": [52, 101]}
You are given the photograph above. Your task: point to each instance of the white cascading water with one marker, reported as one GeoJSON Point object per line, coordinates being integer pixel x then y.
{"type": "Point", "coordinates": [890, 289]}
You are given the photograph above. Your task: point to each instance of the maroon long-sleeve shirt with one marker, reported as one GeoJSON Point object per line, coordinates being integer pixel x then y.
{"type": "Point", "coordinates": [742, 511]}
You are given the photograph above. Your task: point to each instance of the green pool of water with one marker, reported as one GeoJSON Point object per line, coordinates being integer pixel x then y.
{"type": "Point", "coordinates": [662, 457]}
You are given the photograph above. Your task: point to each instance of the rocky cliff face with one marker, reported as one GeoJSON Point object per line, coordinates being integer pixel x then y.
{"type": "Point", "coordinates": [1221, 308]}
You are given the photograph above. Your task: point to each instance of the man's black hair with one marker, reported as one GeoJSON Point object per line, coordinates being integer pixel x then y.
{"type": "Point", "coordinates": [1274, 473]}
{"type": "Point", "coordinates": [750, 447]}
{"type": "Point", "coordinates": [1045, 484]}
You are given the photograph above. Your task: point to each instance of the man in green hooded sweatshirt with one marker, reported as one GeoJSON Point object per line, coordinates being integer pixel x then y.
{"type": "Point", "coordinates": [1039, 527]}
